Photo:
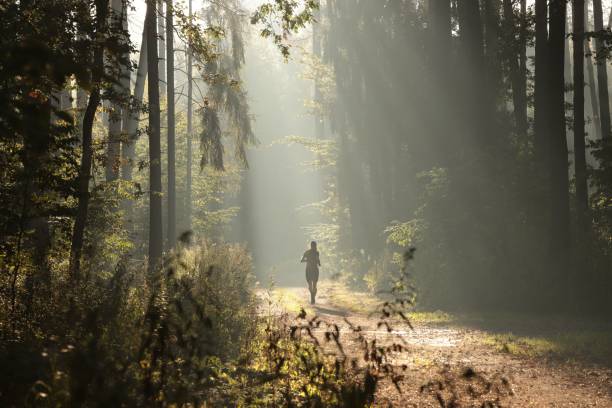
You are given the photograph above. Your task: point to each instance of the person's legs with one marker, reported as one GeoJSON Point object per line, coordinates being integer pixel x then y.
{"type": "Point", "coordinates": [312, 288]}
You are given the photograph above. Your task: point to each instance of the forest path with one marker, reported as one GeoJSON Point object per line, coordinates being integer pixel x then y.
{"type": "Point", "coordinates": [431, 346]}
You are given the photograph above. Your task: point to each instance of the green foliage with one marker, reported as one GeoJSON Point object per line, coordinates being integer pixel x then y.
{"type": "Point", "coordinates": [601, 198]}
{"type": "Point", "coordinates": [325, 151]}
{"type": "Point", "coordinates": [403, 234]}
{"type": "Point", "coordinates": [282, 18]}
{"type": "Point", "coordinates": [225, 98]}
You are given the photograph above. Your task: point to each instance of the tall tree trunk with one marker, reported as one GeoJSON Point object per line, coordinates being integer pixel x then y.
{"type": "Point", "coordinates": [171, 127]}
{"type": "Point", "coordinates": [125, 88]}
{"type": "Point", "coordinates": [113, 147]}
{"type": "Point", "coordinates": [541, 85]}
{"type": "Point", "coordinates": [492, 39]}
{"type": "Point", "coordinates": [523, 53]}
{"type": "Point", "coordinates": [316, 50]}
{"type": "Point", "coordinates": [593, 90]}
{"type": "Point", "coordinates": [76, 247]}
{"type": "Point", "coordinates": [579, 143]}
{"type": "Point", "coordinates": [602, 74]}
{"type": "Point", "coordinates": [474, 97]}
{"type": "Point", "coordinates": [155, 183]}
{"type": "Point", "coordinates": [440, 49]}
{"type": "Point", "coordinates": [161, 46]}
{"type": "Point", "coordinates": [596, 125]}
{"type": "Point", "coordinates": [517, 77]}
{"type": "Point", "coordinates": [189, 128]}
{"type": "Point", "coordinates": [567, 59]}
{"type": "Point", "coordinates": [559, 198]}
{"type": "Point", "coordinates": [131, 124]}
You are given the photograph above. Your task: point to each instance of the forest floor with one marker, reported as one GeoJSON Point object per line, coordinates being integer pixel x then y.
{"type": "Point", "coordinates": [544, 362]}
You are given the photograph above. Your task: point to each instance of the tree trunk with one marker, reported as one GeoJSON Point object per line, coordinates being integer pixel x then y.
{"type": "Point", "coordinates": [517, 77]}
{"type": "Point", "coordinates": [440, 48]}
{"type": "Point", "coordinates": [474, 98]}
{"type": "Point", "coordinates": [113, 148]}
{"type": "Point", "coordinates": [171, 127]}
{"type": "Point", "coordinates": [602, 75]}
{"type": "Point", "coordinates": [541, 85]}
{"type": "Point", "coordinates": [319, 125]}
{"type": "Point", "coordinates": [78, 232]}
{"type": "Point", "coordinates": [593, 91]}
{"type": "Point", "coordinates": [492, 39]}
{"type": "Point", "coordinates": [189, 128]}
{"type": "Point", "coordinates": [579, 143]}
{"type": "Point", "coordinates": [125, 83]}
{"type": "Point", "coordinates": [523, 53]}
{"type": "Point", "coordinates": [161, 46]}
{"type": "Point", "coordinates": [596, 125]}
{"type": "Point", "coordinates": [567, 59]}
{"type": "Point", "coordinates": [559, 182]}
{"type": "Point", "coordinates": [131, 124]}
{"type": "Point", "coordinates": [155, 183]}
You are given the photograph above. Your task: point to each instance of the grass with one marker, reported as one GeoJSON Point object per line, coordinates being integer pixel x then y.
{"type": "Point", "coordinates": [341, 296]}
{"type": "Point", "coordinates": [594, 346]}
{"type": "Point", "coordinates": [366, 302]}
{"type": "Point", "coordinates": [290, 301]}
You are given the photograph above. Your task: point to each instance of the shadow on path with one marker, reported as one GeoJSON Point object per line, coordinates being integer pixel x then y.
{"type": "Point", "coordinates": [327, 311]}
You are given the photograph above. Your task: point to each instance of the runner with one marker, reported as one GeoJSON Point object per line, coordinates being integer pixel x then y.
{"type": "Point", "coordinates": [311, 257]}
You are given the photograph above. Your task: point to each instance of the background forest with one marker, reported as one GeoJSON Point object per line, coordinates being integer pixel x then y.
{"type": "Point", "coordinates": [145, 192]}
{"type": "Point", "coordinates": [457, 129]}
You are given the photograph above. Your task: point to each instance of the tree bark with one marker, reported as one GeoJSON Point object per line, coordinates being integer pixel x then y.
{"type": "Point", "coordinates": [189, 128]}
{"type": "Point", "coordinates": [593, 91]}
{"type": "Point", "coordinates": [596, 123]}
{"type": "Point", "coordinates": [319, 125]}
{"type": "Point", "coordinates": [523, 52]}
{"type": "Point", "coordinates": [491, 40]}
{"type": "Point", "coordinates": [155, 183]}
{"type": "Point", "coordinates": [579, 142]}
{"type": "Point", "coordinates": [602, 74]}
{"type": "Point", "coordinates": [131, 124]}
{"type": "Point", "coordinates": [473, 71]}
{"type": "Point", "coordinates": [541, 84]}
{"type": "Point", "coordinates": [161, 46]}
{"type": "Point", "coordinates": [440, 48]}
{"type": "Point", "coordinates": [171, 127]}
{"type": "Point", "coordinates": [113, 147]}
{"type": "Point", "coordinates": [559, 182]}
{"type": "Point", "coordinates": [125, 86]}
{"type": "Point", "coordinates": [517, 76]}
{"type": "Point", "coordinates": [78, 232]}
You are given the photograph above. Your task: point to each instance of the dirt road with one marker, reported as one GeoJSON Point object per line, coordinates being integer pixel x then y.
{"type": "Point", "coordinates": [433, 348]}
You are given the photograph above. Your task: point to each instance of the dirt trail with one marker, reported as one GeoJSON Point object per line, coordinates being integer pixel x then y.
{"type": "Point", "coordinates": [535, 382]}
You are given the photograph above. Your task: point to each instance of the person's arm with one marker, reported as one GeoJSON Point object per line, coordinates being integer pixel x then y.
{"type": "Point", "coordinates": [304, 257]}
{"type": "Point", "coordinates": [318, 259]}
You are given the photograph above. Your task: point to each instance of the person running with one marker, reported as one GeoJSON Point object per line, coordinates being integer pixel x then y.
{"type": "Point", "coordinates": [311, 257]}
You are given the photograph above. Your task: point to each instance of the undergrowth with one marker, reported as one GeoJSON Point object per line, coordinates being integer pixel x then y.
{"type": "Point", "coordinates": [195, 334]}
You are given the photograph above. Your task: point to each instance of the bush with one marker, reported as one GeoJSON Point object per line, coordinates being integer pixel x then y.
{"type": "Point", "coordinates": [133, 339]}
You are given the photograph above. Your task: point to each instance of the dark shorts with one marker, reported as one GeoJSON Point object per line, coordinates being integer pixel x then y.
{"type": "Point", "coordinates": [312, 274]}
